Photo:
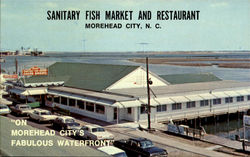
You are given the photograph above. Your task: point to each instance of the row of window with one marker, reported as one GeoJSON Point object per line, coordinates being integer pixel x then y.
{"type": "Point", "coordinates": [88, 106]}
{"type": "Point", "coordinates": [192, 104]}
{"type": "Point", "coordinates": [160, 108]}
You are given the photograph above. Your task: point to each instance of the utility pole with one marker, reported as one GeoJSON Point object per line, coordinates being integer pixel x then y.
{"type": "Point", "coordinates": [143, 46]}
{"type": "Point", "coordinates": [16, 63]}
{"type": "Point", "coordinates": [148, 91]}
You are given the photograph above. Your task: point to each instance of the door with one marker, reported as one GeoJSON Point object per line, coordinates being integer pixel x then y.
{"type": "Point", "coordinates": [115, 113]}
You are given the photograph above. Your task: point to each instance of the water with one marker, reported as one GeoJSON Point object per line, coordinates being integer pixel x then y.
{"type": "Point", "coordinates": [225, 128]}
{"type": "Point", "coordinates": [121, 58]}
{"type": "Point", "coordinates": [221, 129]}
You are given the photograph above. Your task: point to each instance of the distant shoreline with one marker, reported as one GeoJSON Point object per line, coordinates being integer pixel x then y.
{"type": "Point", "coordinates": [227, 62]}
{"type": "Point", "coordinates": [156, 52]}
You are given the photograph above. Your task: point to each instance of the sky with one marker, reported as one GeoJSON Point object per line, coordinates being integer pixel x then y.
{"type": "Point", "coordinates": [223, 25]}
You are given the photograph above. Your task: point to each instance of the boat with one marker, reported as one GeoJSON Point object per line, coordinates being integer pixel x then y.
{"type": "Point", "coordinates": [2, 60]}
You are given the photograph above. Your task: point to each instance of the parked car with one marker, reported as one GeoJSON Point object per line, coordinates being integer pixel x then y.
{"type": "Point", "coordinates": [140, 147]}
{"type": "Point", "coordinates": [80, 132]}
{"type": "Point", "coordinates": [96, 132]}
{"type": "Point", "coordinates": [66, 122]}
{"type": "Point", "coordinates": [42, 115]}
{"type": "Point", "coordinates": [21, 109]}
{"type": "Point", "coordinates": [4, 109]}
{"type": "Point", "coordinates": [113, 151]}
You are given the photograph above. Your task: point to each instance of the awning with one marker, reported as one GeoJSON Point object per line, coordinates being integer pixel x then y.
{"type": "Point", "coordinates": [220, 94]}
{"type": "Point", "coordinates": [36, 91]}
{"type": "Point", "coordinates": [58, 93]}
{"type": "Point", "coordinates": [164, 100]}
{"type": "Point", "coordinates": [194, 97]}
{"type": "Point", "coordinates": [243, 92]}
{"type": "Point", "coordinates": [30, 91]}
{"type": "Point", "coordinates": [43, 84]}
{"type": "Point", "coordinates": [179, 99]}
{"type": "Point", "coordinates": [231, 93]}
{"type": "Point", "coordinates": [127, 104]}
{"type": "Point", "coordinates": [18, 91]}
{"type": "Point", "coordinates": [153, 102]}
{"type": "Point", "coordinates": [83, 98]}
{"type": "Point", "coordinates": [102, 102]}
{"type": "Point", "coordinates": [207, 96]}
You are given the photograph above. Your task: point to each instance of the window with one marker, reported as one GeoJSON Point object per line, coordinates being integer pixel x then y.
{"type": "Point", "coordinates": [49, 97]}
{"type": "Point", "coordinates": [204, 103]}
{"type": "Point", "coordinates": [191, 104]}
{"type": "Point", "coordinates": [176, 106]}
{"type": "Point", "coordinates": [98, 130]}
{"type": "Point", "coordinates": [129, 110]}
{"type": "Point", "coordinates": [3, 107]}
{"type": "Point", "coordinates": [143, 109]}
{"type": "Point", "coordinates": [229, 99]}
{"type": "Point", "coordinates": [240, 98]}
{"type": "Point", "coordinates": [72, 102]}
{"type": "Point", "coordinates": [248, 97]}
{"type": "Point", "coordinates": [80, 104]}
{"type": "Point", "coordinates": [164, 107]}
{"type": "Point", "coordinates": [90, 106]}
{"type": "Point", "coordinates": [63, 100]}
{"type": "Point", "coordinates": [216, 101]}
{"type": "Point", "coordinates": [146, 144]}
{"type": "Point", "coordinates": [56, 99]}
{"type": "Point", "coordinates": [45, 113]}
{"type": "Point", "coordinates": [99, 109]}
{"type": "Point", "coordinates": [161, 108]}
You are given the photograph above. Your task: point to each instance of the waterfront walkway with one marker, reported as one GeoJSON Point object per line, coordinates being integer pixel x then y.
{"type": "Point", "coordinates": [209, 138]}
{"type": "Point", "coordinates": [222, 141]}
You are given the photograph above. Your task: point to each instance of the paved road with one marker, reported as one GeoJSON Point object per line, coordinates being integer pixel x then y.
{"type": "Point", "coordinates": [53, 149]}
{"type": "Point", "coordinates": [168, 143]}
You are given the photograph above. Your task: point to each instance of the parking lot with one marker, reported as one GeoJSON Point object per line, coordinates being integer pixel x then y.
{"type": "Point", "coordinates": [120, 131]}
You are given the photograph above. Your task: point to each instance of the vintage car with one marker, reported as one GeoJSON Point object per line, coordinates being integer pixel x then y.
{"type": "Point", "coordinates": [4, 109]}
{"type": "Point", "coordinates": [140, 147]}
{"type": "Point", "coordinates": [96, 132]}
{"type": "Point", "coordinates": [21, 109]}
{"type": "Point", "coordinates": [42, 115]}
{"type": "Point", "coordinates": [80, 132]}
{"type": "Point", "coordinates": [113, 151]}
{"type": "Point", "coordinates": [66, 123]}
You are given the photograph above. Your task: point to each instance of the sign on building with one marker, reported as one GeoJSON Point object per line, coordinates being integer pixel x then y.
{"type": "Point", "coordinates": [34, 71]}
{"type": "Point", "coordinates": [14, 76]}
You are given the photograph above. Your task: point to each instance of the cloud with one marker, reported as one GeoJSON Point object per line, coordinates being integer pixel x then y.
{"type": "Point", "coordinates": [3, 5]}
{"type": "Point", "coordinates": [51, 5]}
{"type": "Point", "coordinates": [72, 8]}
{"type": "Point", "coordinates": [219, 4]}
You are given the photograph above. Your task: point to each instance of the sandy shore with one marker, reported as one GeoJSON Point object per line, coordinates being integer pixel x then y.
{"type": "Point", "coordinates": [227, 62]}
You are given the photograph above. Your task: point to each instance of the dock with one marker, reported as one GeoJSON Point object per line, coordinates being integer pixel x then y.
{"type": "Point", "coordinates": [217, 140]}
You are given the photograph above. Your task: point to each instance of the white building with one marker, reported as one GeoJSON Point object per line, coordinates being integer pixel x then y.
{"type": "Point", "coordinates": [117, 92]}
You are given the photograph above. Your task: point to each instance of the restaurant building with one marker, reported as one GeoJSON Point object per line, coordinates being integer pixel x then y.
{"type": "Point", "coordinates": [118, 92]}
